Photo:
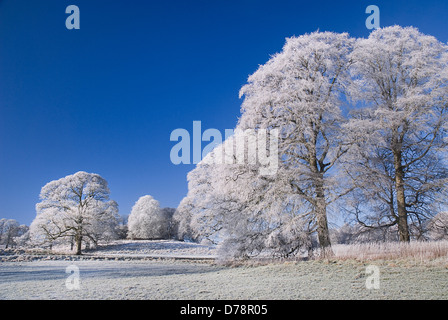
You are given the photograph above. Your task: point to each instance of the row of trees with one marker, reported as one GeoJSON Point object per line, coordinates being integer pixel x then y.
{"type": "Point", "coordinates": [146, 221]}
{"type": "Point", "coordinates": [362, 135]}
{"type": "Point", "coordinates": [362, 126]}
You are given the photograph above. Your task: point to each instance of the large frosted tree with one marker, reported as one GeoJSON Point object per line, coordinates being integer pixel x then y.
{"type": "Point", "coordinates": [76, 207]}
{"type": "Point", "coordinates": [400, 77]}
{"type": "Point", "coordinates": [299, 92]}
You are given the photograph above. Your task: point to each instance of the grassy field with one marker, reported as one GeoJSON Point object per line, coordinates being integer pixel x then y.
{"type": "Point", "coordinates": [178, 270]}
{"type": "Point", "coordinates": [188, 280]}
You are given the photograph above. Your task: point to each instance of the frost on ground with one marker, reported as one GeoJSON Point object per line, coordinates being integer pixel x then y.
{"type": "Point", "coordinates": [156, 248]}
{"type": "Point", "coordinates": [171, 279]}
{"type": "Point", "coordinates": [112, 273]}
{"type": "Point", "coordinates": [118, 250]}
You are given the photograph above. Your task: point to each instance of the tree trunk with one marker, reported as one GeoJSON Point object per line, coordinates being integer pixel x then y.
{"type": "Point", "coordinates": [320, 203]}
{"type": "Point", "coordinates": [323, 233]}
{"type": "Point", "coordinates": [78, 240]}
{"type": "Point", "coordinates": [403, 230]}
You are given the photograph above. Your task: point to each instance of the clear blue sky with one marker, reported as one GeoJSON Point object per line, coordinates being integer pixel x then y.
{"type": "Point", "coordinates": [105, 98]}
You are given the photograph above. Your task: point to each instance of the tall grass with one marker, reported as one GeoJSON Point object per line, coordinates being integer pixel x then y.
{"type": "Point", "coordinates": [421, 250]}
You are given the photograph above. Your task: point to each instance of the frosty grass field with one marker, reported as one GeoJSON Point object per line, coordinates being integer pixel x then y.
{"type": "Point", "coordinates": [176, 270]}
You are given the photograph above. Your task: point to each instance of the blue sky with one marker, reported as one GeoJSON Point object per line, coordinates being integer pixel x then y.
{"type": "Point", "coordinates": [105, 98]}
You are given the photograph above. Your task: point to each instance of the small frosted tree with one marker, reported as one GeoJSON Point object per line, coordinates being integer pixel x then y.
{"type": "Point", "coordinates": [146, 220]}
{"type": "Point", "coordinates": [75, 208]}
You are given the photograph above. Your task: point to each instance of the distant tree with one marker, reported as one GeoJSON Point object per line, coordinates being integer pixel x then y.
{"type": "Point", "coordinates": [146, 219]}
{"type": "Point", "coordinates": [438, 226]}
{"type": "Point", "coordinates": [168, 223]}
{"type": "Point", "coordinates": [10, 231]}
{"type": "Point", "coordinates": [182, 218]}
{"type": "Point", "coordinates": [75, 208]}
{"type": "Point", "coordinates": [122, 228]}
{"type": "Point", "coordinates": [358, 233]}
{"type": "Point", "coordinates": [2, 228]}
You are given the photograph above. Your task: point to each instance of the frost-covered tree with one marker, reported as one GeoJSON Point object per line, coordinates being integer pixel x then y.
{"type": "Point", "coordinates": [193, 211]}
{"type": "Point", "coordinates": [388, 154]}
{"type": "Point", "coordinates": [122, 228]}
{"type": "Point", "coordinates": [298, 91]}
{"type": "Point", "coordinates": [169, 225]}
{"type": "Point", "coordinates": [75, 208]}
{"type": "Point", "coordinates": [182, 218]}
{"type": "Point", "coordinates": [146, 220]}
{"type": "Point", "coordinates": [244, 212]}
{"type": "Point", "coordinates": [401, 77]}
{"type": "Point", "coordinates": [438, 226]}
{"type": "Point", "coordinates": [10, 232]}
